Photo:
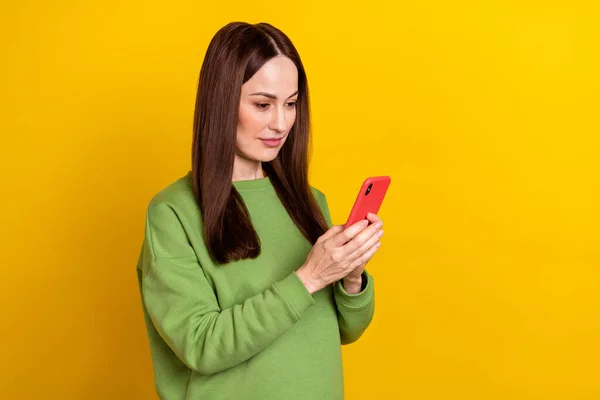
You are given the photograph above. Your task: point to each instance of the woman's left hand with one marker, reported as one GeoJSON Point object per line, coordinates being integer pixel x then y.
{"type": "Point", "coordinates": [353, 281]}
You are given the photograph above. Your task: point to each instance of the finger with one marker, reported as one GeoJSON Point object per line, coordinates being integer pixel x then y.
{"type": "Point", "coordinates": [374, 218]}
{"type": "Point", "coordinates": [362, 238]}
{"type": "Point", "coordinates": [347, 234]}
{"type": "Point", "coordinates": [331, 232]}
{"type": "Point", "coordinates": [362, 222]}
{"type": "Point", "coordinates": [372, 241]}
{"type": "Point", "coordinates": [366, 257]}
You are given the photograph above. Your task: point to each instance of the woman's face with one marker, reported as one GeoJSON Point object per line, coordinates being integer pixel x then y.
{"type": "Point", "coordinates": [267, 110]}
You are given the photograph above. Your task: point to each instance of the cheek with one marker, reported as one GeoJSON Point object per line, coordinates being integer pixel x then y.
{"type": "Point", "coordinates": [250, 123]}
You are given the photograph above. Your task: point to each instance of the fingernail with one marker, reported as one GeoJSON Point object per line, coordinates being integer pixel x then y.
{"type": "Point", "coordinates": [378, 245]}
{"type": "Point", "coordinates": [380, 234]}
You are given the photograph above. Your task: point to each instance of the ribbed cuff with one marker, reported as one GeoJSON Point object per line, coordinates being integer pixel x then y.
{"type": "Point", "coordinates": [357, 300]}
{"type": "Point", "coordinates": [296, 294]}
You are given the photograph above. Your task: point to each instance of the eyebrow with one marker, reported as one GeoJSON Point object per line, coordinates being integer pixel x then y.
{"type": "Point", "coordinates": [271, 96]}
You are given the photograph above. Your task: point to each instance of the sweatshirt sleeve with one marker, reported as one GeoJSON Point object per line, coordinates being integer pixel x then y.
{"type": "Point", "coordinates": [355, 311]}
{"type": "Point", "coordinates": [184, 309]}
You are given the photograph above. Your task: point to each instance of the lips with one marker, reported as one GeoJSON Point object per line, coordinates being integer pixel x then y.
{"type": "Point", "coordinates": [272, 142]}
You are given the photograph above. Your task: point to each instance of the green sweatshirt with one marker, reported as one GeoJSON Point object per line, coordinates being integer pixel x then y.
{"type": "Point", "coordinates": [248, 329]}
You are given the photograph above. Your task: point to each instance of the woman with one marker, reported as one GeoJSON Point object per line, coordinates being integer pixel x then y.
{"type": "Point", "coordinates": [247, 292]}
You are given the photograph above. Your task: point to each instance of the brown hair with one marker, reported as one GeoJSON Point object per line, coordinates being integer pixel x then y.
{"type": "Point", "coordinates": [234, 55]}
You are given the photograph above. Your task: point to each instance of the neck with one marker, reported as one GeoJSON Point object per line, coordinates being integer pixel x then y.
{"type": "Point", "coordinates": [246, 170]}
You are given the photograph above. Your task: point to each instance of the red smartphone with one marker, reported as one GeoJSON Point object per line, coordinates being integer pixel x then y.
{"type": "Point", "coordinates": [369, 198]}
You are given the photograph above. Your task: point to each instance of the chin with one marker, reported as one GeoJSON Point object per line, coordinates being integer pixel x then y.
{"type": "Point", "coordinates": [268, 155]}
{"type": "Point", "coordinates": [261, 153]}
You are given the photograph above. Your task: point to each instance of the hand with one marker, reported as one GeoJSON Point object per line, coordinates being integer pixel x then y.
{"type": "Point", "coordinates": [353, 281]}
{"type": "Point", "coordinates": [337, 253]}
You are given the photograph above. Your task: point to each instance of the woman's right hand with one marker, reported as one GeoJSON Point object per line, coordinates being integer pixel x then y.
{"type": "Point", "coordinates": [338, 252]}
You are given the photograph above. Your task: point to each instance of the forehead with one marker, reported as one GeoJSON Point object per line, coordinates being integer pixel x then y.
{"type": "Point", "coordinates": [278, 76]}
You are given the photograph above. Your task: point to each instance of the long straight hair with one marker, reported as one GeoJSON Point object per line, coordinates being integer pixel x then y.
{"type": "Point", "coordinates": [234, 55]}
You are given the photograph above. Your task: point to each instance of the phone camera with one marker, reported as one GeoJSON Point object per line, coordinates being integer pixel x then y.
{"type": "Point", "coordinates": [369, 189]}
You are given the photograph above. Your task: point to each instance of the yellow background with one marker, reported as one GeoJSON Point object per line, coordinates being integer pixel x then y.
{"type": "Point", "coordinates": [485, 114]}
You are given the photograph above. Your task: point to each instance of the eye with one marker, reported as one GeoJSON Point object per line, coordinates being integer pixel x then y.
{"type": "Point", "coordinates": [262, 106]}
{"type": "Point", "coordinates": [291, 104]}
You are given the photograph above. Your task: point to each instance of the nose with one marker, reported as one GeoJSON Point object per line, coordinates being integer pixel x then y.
{"type": "Point", "coordinates": [279, 121]}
